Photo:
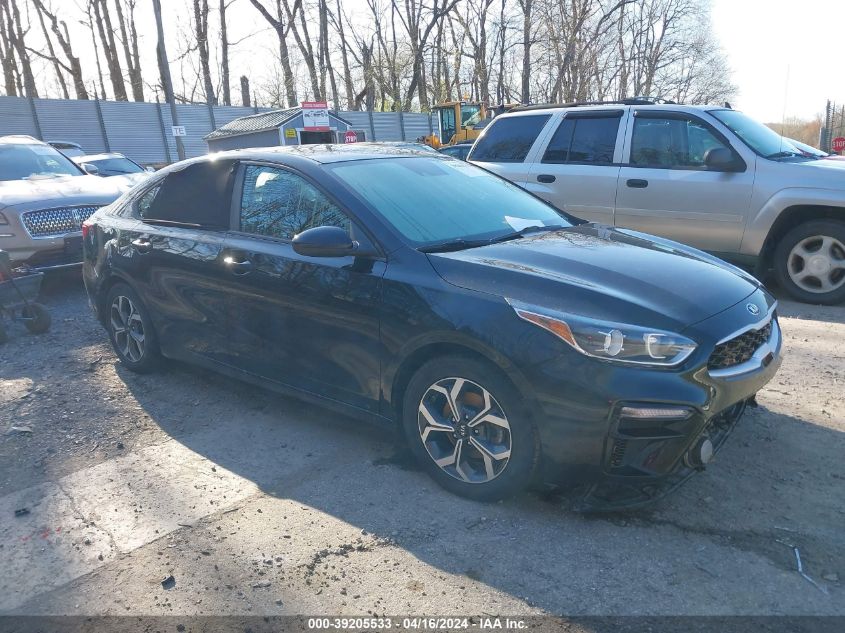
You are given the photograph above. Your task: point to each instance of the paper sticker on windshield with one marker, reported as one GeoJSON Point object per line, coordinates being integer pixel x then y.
{"type": "Point", "coordinates": [518, 224]}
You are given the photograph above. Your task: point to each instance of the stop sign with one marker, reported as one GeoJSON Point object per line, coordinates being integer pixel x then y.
{"type": "Point", "coordinates": [352, 137]}
{"type": "Point", "coordinates": [838, 144]}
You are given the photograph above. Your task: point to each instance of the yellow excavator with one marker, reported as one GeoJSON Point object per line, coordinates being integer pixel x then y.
{"type": "Point", "coordinates": [458, 120]}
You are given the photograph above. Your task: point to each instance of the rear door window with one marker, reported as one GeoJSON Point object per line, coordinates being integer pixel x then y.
{"type": "Point", "coordinates": [584, 140]}
{"type": "Point", "coordinates": [508, 139]}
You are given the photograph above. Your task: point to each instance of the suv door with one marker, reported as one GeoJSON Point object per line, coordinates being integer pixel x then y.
{"type": "Point", "coordinates": [171, 255]}
{"type": "Point", "coordinates": [307, 322]}
{"type": "Point", "coordinates": [505, 146]}
{"type": "Point", "coordinates": [665, 187]}
{"type": "Point", "coordinates": [578, 168]}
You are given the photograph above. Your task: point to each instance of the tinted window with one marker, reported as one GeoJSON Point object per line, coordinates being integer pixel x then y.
{"type": "Point", "coordinates": [508, 139]}
{"type": "Point", "coordinates": [278, 203]}
{"type": "Point", "coordinates": [115, 166]}
{"type": "Point", "coordinates": [430, 200]}
{"type": "Point", "coordinates": [145, 202]}
{"type": "Point", "coordinates": [584, 140]}
{"type": "Point", "coordinates": [671, 142]}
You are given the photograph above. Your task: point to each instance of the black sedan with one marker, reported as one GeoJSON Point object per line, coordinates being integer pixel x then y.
{"type": "Point", "coordinates": [512, 343]}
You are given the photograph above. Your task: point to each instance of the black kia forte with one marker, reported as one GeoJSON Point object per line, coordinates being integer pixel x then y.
{"type": "Point", "coordinates": [512, 343]}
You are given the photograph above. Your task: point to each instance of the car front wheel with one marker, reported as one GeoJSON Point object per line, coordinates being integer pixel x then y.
{"type": "Point", "coordinates": [468, 427]}
{"type": "Point", "coordinates": [810, 262]}
{"type": "Point", "coordinates": [130, 329]}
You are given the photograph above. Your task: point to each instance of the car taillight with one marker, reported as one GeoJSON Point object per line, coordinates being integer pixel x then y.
{"type": "Point", "coordinates": [86, 226]}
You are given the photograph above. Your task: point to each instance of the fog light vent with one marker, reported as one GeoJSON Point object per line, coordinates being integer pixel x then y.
{"type": "Point", "coordinates": [656, 413]}
{"type": "Point", "coordinates": [617, 454]}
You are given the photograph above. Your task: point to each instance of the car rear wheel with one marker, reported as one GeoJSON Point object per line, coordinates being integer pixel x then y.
{"type": "Point", "coordinates": [467, 426]}
{"type": "Point", "coordinates": [810, 262]}
{"type": "Point", "coordinates": [130, 330]}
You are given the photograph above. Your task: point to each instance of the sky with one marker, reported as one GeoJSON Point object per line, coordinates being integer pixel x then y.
{"type": "Point", "coordinates": [787, 55]}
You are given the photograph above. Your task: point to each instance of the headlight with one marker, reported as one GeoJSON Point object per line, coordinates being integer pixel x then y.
{"type": "Point", "coordinates": [616, 342]}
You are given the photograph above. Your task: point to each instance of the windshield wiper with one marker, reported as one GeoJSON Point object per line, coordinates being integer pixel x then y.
{"type": "Point", "coordinates": [782, 155]}
{"type": "Point", "coordinates": [462, 244]}
{"type": "Point", "coordinates": [523, 232]}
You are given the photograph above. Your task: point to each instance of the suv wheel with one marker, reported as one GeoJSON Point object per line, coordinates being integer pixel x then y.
{"type": "Point", "coordinates": [130, 329]}
{"type": "Point", "coordinates": [810, 262]}
{"type": "Point", "coordinates": [466, 425]}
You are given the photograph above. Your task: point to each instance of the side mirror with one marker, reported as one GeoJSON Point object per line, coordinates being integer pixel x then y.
{"type": "Point", "coordinates": [722, 159]}
{"type": "Point", "coordinates": [324, 241]}
{"type": "Point", "coordinates": [90, 168]}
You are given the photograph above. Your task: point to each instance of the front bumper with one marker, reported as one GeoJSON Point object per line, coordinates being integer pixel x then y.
{"type": "Point", "coordinates": [589, 443]}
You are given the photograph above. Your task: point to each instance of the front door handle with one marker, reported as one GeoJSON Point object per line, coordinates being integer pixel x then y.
{"type": "Point", "coordinates": [545, 178]}
{"type": "Point", "coordinates": [142, 244]}
{"type": "Point", "coordinates": [237, 266]}
{"type": "Point", "coordinates": [637, 183]}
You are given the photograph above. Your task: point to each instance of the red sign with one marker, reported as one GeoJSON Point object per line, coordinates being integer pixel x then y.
{"type": "Point", "coordinates": [838, 144]}
{"type": "Point", "coordinates": [350, 137]}
{"type": "Point", "coordinates": [315, 116]}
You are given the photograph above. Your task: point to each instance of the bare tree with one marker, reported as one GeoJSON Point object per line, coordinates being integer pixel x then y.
{"type": "Point", "coordinates": [201, 33]}
{"type": "Point", "coordinates": [164, 71]}
{"type": "Point", "coordinates": [7, 55]}
{"type": "Point", "coordinates": [224, 54]}
{"type": "Point", "coordinates": [60, 31]}
{"type": "Point", "coordinates": [129, 40]}
{"type": "Point", "coordinates": [16, 33]}
{"type": "Point", "coordinates": [102, 19]}
{"type": "Point", "coordinates": [278, 23]}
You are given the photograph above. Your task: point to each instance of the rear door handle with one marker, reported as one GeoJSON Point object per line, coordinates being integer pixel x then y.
{"type": "Point", "coordinates": [545, 178]}
{"type": "Point", "coordinates": [142, 245]}
{"type": "Point", "coordinates": [236, 266]}
{"type": "Point", "coordinates": [637, 183]}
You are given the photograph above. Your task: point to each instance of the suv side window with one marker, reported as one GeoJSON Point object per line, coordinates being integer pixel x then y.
{"type": "Point", "coordinates": [278, 203]}
{"type": "Point", "coordinates": [509, 139]}
{"type": "Point", "coordinates": [584, 140]}
{"type": "Point", "coordinates": [671, 142]}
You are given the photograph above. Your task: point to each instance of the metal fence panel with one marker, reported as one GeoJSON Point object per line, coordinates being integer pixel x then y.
{"type": "Point", "coordinates": [16, 117]}
{"type": "Point", "coordinates": [387, 126]}
{"type": "Point", "coordinates": [74, 121]}
{"type": "Point", "coordinates": [133, 129]}
{"type": "Point", "coordinates": [358, 120]}
{"type": "Point", "coordinates": [416, 125]}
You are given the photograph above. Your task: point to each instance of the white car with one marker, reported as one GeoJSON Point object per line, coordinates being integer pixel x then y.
{"type": "Point", "coordinates": [710, 177]}
{"type": "Point", "coordinates": [123, 171]}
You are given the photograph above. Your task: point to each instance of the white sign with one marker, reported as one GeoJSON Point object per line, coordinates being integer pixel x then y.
{"type": "Point", "coordinates": [315, 115]}
{"type": "Point", "coordinates": [178, 130]}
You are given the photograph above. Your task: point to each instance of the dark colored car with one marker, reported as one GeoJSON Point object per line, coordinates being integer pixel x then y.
{"type": "Point", "coordinates": [511, 342]}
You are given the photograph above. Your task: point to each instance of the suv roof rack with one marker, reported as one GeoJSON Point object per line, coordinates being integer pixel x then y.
{"type": "Point", "coordinates": [638, 101]}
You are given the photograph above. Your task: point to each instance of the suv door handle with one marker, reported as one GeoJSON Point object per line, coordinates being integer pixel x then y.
{"type": "Point", "coordinates": [545, 178]}
{"type": "Point", "coordinates": [637, 183]}
{"type": "Point", "coordinates": [142, 244]}
{"type": "Point", "coordinates": [237, 267]}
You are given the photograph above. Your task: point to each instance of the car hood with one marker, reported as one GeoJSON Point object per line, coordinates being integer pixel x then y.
{"type": "Point", "coordinates": [61, 191]}
{"type": "Point", "coordinates": [604, 273]}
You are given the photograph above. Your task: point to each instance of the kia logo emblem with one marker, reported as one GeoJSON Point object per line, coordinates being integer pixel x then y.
{"type": "Point", "coordinates": [752, 308]}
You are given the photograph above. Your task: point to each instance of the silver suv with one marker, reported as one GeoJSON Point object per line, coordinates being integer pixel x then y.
{"type": "Point", "coordinates": [44, 198]}
{"type": "Point", "coordinates": [710, 177]}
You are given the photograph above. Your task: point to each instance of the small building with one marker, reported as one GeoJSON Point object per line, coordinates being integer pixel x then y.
{"type": "Point", "coordinates": [279, 127]}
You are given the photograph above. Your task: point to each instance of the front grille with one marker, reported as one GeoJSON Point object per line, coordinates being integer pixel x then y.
{"type": "Point", "coordinates": [739, 349]}
{"type": "Point", "coordinates": [52, 222]}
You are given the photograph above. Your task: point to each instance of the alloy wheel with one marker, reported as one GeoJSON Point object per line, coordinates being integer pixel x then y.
{"type": "Point", "coordinates": [817, 264]}
{"type": "Point", "coordinates": [464, 430]}
{"type": "Point", "coordinates": [127, 329]}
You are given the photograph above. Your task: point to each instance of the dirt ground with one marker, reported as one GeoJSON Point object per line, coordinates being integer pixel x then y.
{"type": "Point", "coordinates": [252, 503]}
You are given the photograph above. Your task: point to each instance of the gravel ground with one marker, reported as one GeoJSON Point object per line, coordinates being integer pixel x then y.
{"type": "Point", "coordinates": [253, 503]}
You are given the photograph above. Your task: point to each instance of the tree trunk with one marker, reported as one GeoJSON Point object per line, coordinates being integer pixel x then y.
{"type": "Point", "coordinates": [104, 27]}
{"type": "Point", "coordinates": [344, 57]}
{"type": "Point", "coordinates": [245, 91]}
{"type": "Point", "coordinates": [281, 33]}
{"type": "Point", "coordinates": [526, 6]}
{"type": "Point", "coordinates": [54, 60]}
{"type": "Point", "coordinates": [129, 40]}
{"type": "Point", "coordinates": [164, 71]}
{"type": "Point", "coordinates": [201, 32]}
{"type": "Point", "coordinates": [224, 55]}
{"type": "Point", "coordinates": [16, 35]}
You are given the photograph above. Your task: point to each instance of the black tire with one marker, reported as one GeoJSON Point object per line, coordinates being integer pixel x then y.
{"type": "Point", "coordinates": [519, 468]}
{"type": "Point", "coordinates": [143, 358]}
{"type": "Point", "coordinates": [821, 228]}
{"type": "Point", "coordinates": [37, 318]}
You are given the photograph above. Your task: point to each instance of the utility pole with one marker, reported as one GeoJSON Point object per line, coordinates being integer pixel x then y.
{"type": "Point", "coordinates": [164, 70]}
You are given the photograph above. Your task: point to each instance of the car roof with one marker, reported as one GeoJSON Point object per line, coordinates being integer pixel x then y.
{"type": "Point", "coordinates": [20, 139]}
{"type": "Point", "coordinates": [103, 156]}
{"type": "Point", "coordinates": [551, 109]}
{"type": "Point", "coordinates": [324, 154]}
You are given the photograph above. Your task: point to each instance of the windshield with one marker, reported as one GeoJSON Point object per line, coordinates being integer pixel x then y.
{"type": "Point", "coordinates": [114, 166]}
{"type": "Point", "coordinates": [761, 138]}
{"type": "Point", "coordinates": [431, 200]}
{"type": "Point", "coordinates": [30, 161]}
